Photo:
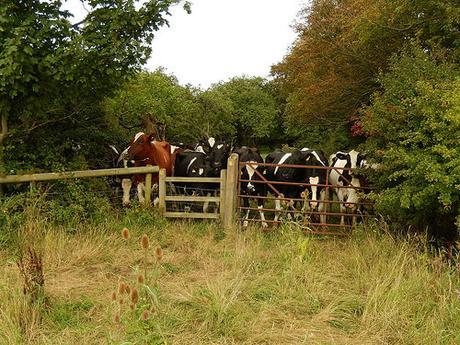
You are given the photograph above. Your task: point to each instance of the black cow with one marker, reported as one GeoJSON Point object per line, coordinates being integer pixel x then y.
{"type": "Point", "coordinates": [249, 172]}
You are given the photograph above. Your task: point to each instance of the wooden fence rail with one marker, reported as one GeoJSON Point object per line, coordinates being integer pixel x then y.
{"type": "Point", "coordinates": [32, 178]}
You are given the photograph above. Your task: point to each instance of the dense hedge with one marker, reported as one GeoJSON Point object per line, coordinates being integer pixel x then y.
{"type": "Point", "coordinates": [414, 128]}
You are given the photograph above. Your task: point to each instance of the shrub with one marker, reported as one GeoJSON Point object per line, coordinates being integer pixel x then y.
{"type": "Point", "coordinates": [414, 129]}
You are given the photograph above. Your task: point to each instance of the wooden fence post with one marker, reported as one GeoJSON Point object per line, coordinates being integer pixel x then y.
{"type": "Point", "coordinates": [222, 206]}
{"type": "Point", "coordinates": [162, 191]}
{"type": "Point", "coordinates": [230, 190]}
{"type": "Point", "coordinates": [148, 188]}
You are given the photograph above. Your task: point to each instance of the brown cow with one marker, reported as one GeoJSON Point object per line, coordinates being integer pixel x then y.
{"type": "Point", "coordinates": [144, 150]}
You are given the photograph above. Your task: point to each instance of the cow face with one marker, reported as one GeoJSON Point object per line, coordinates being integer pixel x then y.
{"type": "Point", "coordinates": [315, 177]}
{"type": "Point", "coordinates": [140, 146]}
{"type": "Point", "coordinates": [218, 156]}
{"type": "Point", "coordinates": [248, 172]}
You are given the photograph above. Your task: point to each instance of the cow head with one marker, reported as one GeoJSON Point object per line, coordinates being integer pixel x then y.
{"type": "Point", "coordinates": [218, 156]}
{"type": "Point", "coordinates": [140, 146]}
{"type": "Point", "coordinates": [248, 172]}
{"type": "Point", "coordinates": [315, 177]}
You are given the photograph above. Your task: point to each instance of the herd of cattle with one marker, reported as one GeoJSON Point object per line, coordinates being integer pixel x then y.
{"type": "Point", "coordinates": [302, 176]}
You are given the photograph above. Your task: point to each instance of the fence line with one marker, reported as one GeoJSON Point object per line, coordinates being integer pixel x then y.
{"type": "Point", "coordinates": [42, 177]}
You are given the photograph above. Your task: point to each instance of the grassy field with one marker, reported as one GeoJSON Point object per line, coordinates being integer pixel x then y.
{"type": "Point", "coordinates": [210, 287]}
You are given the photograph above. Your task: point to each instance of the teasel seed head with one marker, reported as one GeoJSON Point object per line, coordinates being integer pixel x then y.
{"type": "Point", "coordinates": [132, 306]}
{"type": "Point", "coordinates": [125, 233]}
{"type": "Point", "coordinates": [134, 296]}
{"type": "Point", "coordinates": [121, 288]}
{"type": "Point", "coordinates": [140, 279]}
{"type": "Point", "coordinates": [145, 241]}
{"type": "Point", "coordinates": [158, 253]}
{"type": "Point", "coordinates": [114, 296]}
{"type": "Point", "coordinates": [117, 318]}
{"type": "Point", "coordinates": [145, 315]}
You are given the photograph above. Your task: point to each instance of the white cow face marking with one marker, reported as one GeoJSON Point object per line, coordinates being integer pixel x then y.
{"type": "Point", "coordinates": [137, 136]}
{"type": "Point", "coordinates": [220, 146]}
{"type": "Point", "coordinates": [200, 171]}
{"type": "Point", "coordinates": [251, 170]}
{"type": "Point", "coordinates": [211, 142]}
{"type": "Point", "coordinates": [314, 199]}
{"type": "Point", "coordinates": [190, 164]}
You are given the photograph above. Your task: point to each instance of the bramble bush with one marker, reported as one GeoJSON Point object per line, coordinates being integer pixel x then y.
{"type": "Point", "coordinates": [414, 133]}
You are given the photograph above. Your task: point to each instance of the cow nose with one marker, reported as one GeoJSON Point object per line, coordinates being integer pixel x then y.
{"type": "Point", "coordinates": [251, 187]}
{"type": "Point", "coordinates": [350, 206]}
{"type": "Point", "coordinates": [313, 205]}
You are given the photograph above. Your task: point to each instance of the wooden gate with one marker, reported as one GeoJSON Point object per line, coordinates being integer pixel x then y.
{"type": "Point", "coordinates": [224, 200]}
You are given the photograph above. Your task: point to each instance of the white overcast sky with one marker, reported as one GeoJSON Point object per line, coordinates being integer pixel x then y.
{"type": "Point", "coordinates": [221, 39]}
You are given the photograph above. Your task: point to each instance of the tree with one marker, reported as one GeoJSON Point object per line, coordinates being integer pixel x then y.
{"type": "Point", "coordinates": [254, 111]}
{"type": "Point", "coordinates": [414, 128]}
{"type": "Point", "coordinates": [342, 46]}
{"type": "Point", "coordinates": [155, 97]}
{"type": "Point", "coordinates": [53, 73]}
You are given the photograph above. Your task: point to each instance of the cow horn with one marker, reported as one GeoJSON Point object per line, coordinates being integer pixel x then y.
{"type": "Point", "coordinates": [123, 156]}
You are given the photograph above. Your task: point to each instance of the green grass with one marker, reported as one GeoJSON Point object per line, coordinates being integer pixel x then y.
{"type": "Point", "coordinates": [236, 287]}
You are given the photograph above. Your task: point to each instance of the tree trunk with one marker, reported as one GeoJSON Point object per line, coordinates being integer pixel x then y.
{"type": "Point", "coordinates": [3, 129]}
{"type": "Point", "coordinates": [3, 134]}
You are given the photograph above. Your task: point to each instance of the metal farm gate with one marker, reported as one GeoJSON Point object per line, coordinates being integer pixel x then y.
{"type": "Point", "coordinates": [309, 220]}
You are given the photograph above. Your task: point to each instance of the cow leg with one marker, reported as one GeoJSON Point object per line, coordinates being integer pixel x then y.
{"type": "Point", "coordinates": [216, 209]}
{"type": "Point", "coordinates": [246, 216]}
{"type": "Point", "coordinates": [126, 184]}
{"type": "Point", "coordinates": [322, 207]}
{"type": "Point", "coordinates": [277, 209]}
{"type": "Point", "coordinates": [343, 209]}
{"type": "Point", "coordinates": [206, 204]}
{"type": "Point", "coordinates": [260, 206]}
{"type": "Point", "coordinates": [291, 210]}
{"type": "Point", "coordinates": [140, 190]}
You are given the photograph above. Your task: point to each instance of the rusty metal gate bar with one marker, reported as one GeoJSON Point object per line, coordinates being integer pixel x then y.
{"type": "Point", "coordinates": [279, 196]}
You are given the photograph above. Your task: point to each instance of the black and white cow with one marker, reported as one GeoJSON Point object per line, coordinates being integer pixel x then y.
{"type": "Point", "coordinates": [316, 176]}
{"type": "Point", "coordinates": [313, 176]}
{"type": "Point", "coordinates": [248, 172]}
{"type": "Point", "coordinates": [217, 153]}
{"type": "Point", "coordinates": [343, 177]}
{"type": "Point", "coordinates": [286, 174]}
{"type": "Point", "coordinates": [193, 164]}
{"type": "Point", "coordinates": [126, 181]}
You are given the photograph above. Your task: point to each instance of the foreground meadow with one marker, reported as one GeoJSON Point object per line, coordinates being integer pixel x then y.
{"type": "Point", "coordinates": [205, 286]}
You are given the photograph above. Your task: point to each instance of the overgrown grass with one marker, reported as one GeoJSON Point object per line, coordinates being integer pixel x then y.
{"type": "Point", "coordinates": [235, 287]}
